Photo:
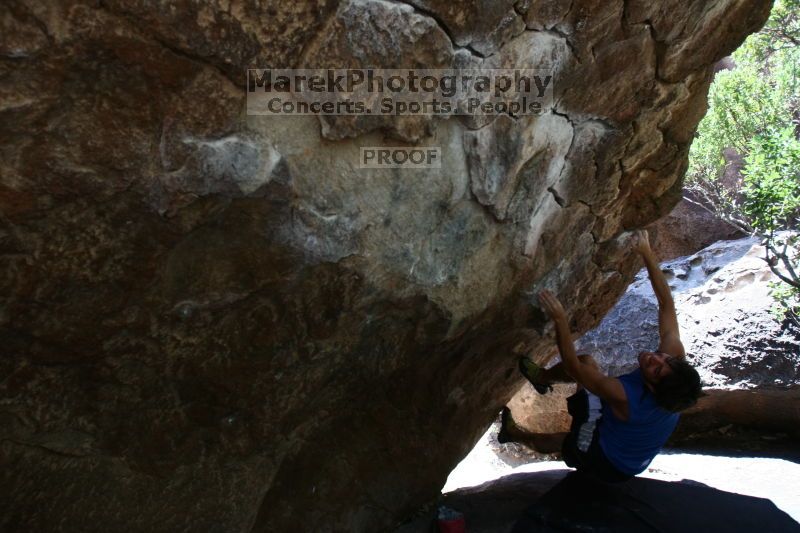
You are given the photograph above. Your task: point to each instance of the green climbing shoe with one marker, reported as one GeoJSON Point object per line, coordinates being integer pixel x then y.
{"type": "Point", "coordinates": [531, 371]}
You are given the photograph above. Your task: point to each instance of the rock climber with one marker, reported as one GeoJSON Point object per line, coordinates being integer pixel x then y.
{"type": "Point", "coordinates": [619, 424]}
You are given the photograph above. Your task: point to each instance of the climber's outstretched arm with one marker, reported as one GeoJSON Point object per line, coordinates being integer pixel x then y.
{"type": "Point", "coordinates": [668, 331]}
{"type": "Point", "coordinates": [584, 373]}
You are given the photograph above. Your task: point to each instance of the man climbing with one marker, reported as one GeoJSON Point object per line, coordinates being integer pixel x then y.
{"type": "Point", "coordinates": [619, 424]}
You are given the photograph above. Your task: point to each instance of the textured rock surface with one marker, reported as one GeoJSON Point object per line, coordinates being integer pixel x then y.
{"type": "Point", "coordinates": [214, 322]}
{"type": "Point", "coordinates": [758, 422]}
{"type": "Point", "coordinates": [687, 229]}
{"type": "Point", "coordinates": [542, 413]}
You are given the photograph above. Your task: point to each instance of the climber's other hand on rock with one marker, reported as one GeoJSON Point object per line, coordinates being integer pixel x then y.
{"type": "Point", "coordinates": [641, 242]}
{"type": "Point", "coordinates": [552, 306]}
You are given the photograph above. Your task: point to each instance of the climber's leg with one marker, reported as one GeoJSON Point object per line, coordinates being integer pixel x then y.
{"type": "Point", "coordinates": [540, 442]}
{"type": "Point", "coordinates": [543, 442]}
{"type": "Point", "coordinates": [581, 448]}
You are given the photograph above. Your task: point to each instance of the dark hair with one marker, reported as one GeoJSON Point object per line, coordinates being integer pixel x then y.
{"type": "Point", "coordinates": [680, 389]}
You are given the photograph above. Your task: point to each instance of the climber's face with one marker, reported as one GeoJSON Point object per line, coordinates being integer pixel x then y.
{"type": "Point", "coordinates": [654, 365]}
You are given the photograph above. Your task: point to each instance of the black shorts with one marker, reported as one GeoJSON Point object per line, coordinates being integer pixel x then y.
{"type": "Point", "coordinates": [581, 449]}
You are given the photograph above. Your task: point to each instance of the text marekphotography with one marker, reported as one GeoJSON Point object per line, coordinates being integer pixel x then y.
{"type": "Point", "coordinates": [398, 91]}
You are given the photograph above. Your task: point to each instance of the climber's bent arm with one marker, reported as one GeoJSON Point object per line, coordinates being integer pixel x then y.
{"type": "Point", "coordinates": [589, 375]}
{"type": "Point", "coordinates": [586, 374]}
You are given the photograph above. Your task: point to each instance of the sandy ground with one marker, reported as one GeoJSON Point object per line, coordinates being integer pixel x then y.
{"type": "Point", "coordinates": [775, 479]}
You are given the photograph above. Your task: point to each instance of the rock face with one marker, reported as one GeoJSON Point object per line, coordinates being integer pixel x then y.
{"type": "Point", "coordinates": [687, 229]}
{"type": "Point", "coordinates": [217, 322]}
{"type": "Point", "coordinates": [748, 360]}
{"type": "Point", "coordinates": [542, 413]}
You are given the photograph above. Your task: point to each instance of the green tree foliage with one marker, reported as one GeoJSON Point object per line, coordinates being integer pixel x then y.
{"type": "Point", "coordinates": [772, 180]}
{"type": "Point", "coordinates": [753, 120]}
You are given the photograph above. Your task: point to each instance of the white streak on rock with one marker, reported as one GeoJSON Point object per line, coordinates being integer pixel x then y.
{"type": "Point", "coordinates": [246, 162]}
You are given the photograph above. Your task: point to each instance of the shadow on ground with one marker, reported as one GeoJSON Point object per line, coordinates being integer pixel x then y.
{"type": "Point", "coordinates": [564, 501]}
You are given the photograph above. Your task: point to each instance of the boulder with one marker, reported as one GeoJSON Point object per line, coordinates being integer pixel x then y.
{"type": "Point", "coordinates": [759, 422]}
{"type": "Point", "coordinates": [542, 413]}
{"type": "Point", "coordinates": [211, 321]}
{"type": "Point", "coordinates": [689, 228]}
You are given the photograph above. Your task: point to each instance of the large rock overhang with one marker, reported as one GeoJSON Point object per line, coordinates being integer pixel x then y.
{"type": "Point", "coordinates": [214, 321]}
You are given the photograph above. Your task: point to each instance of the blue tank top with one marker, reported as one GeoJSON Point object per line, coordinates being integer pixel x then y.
{"type": "Point", "coordinates": [631, 445]}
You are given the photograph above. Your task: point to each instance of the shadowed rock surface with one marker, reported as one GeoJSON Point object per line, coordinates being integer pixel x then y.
{"type": "Point", "coordinates": [493, 506]}
{"type": "Point", "coordinates": [216, 322]}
